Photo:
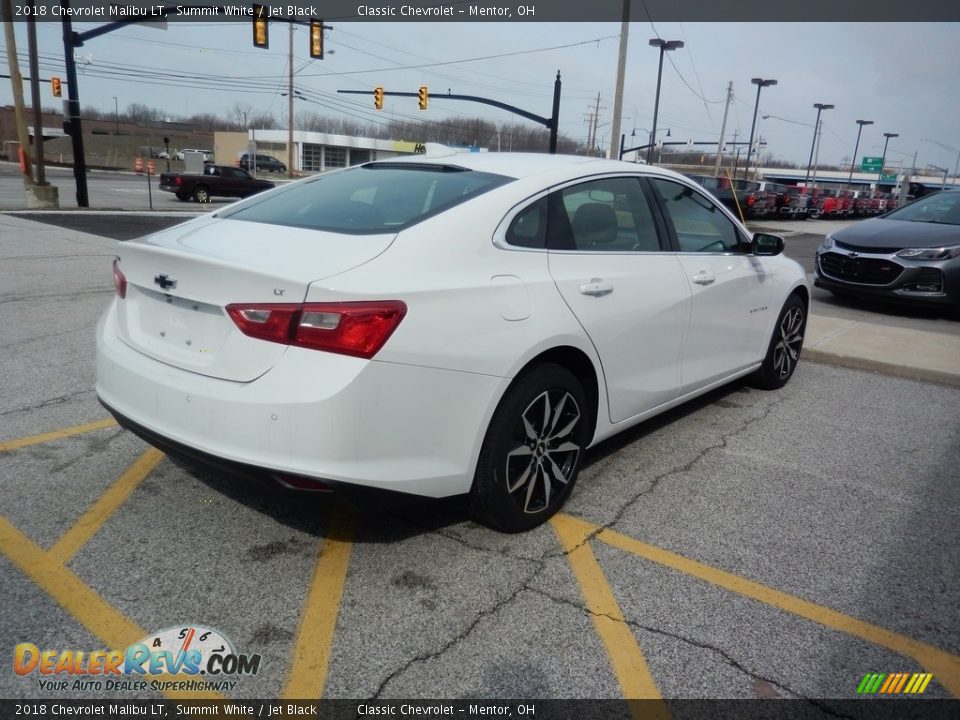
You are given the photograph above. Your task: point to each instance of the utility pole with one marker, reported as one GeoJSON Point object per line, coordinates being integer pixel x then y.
{"type": "Point", "coordinates": [723, 129]}
{"type": "Point", "coordinates": [290, 109]}
{"type": "Point", "coordinates": [596, 120]}
{"type": "Point", "coordinates": [621, 69]}
{"type": "Point", "coordinates": [589, 117]}
{"type": "Point", "coordinates": [16, 83]}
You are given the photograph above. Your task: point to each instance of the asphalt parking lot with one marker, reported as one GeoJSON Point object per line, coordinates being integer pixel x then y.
{"type": "Point", "coordinates": [746, 545]}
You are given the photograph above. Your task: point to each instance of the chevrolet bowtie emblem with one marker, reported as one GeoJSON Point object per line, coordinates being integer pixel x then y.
{"type": "Point", "coordinates": [165, 282]}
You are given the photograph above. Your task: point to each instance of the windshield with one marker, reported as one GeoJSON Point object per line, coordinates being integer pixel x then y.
{"type": "Point", "coordinates": [368, 199]}
{"type": "Point", "coordinates": [943, 207]}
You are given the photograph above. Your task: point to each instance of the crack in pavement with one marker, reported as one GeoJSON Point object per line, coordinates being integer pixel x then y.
{"type": "Point", "coordinates": [56, 296]}
{"type": "Point", "coordinates": [47, 403]}
{"type": "Point", "coordinates": [38, 338]}
{"type": "Point", "coordinates": [730, 660]}
{"type": "Point", "coordinates": [462, 635]}
{"type": "Point", "coordinates": [686, 467]}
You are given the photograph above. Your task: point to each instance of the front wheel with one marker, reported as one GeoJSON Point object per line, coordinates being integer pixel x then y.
{"type": "Point", "coordinates": [785, 346]}
{"type": "Point", "coordinates": [531, 453]}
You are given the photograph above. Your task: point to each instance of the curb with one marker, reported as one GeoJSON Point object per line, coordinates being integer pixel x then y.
{"type": "Point", "coordinates": [823, 357]}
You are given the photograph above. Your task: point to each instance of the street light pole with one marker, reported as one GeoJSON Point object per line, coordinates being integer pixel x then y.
{"type": "Point", "coordinates": [665, 46]}
{"type": "Point", "coordinates": [816, 130]}
{"type": "Point", "coordinates": [760, 83]}
{"type": "Point", "coordinates": [116, 116]}
{"type": "Point", "coordinates": [883, 161]}
{"type": "Point", "coordinates": [856, 147]}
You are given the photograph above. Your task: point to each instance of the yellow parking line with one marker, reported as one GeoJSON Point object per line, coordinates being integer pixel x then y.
{"type": "Point", "coordinates": [114, 629]}
{"type": "Point", "coordinates": [311, 653]}
{"type": "Point", "coordinates": [944, 666]}
{"type": "Point", "coordinates": [94, 518]}
{"type": "Point", "coordinates": [55, 435]}
{"type": "Point", "coordinates": [625, 656]}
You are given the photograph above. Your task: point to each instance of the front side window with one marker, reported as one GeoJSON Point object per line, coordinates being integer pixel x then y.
{"type": "Point", "coordinates": [605, 215]}
{"type": "Point", "coordinates": [699, 223]}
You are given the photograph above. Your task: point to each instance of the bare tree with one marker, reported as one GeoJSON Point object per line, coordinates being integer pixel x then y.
{"type": "Point", "coordinates": [137, 112]}
{"type": "Point", "coordinates": [241, 113]}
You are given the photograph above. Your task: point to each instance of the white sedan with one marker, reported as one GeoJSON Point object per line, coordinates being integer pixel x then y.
{"type": "Point", "coordinates": [442, 325]}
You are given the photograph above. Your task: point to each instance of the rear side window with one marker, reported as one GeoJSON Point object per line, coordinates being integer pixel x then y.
{"type": "Point", "coordinates": [368, 199]}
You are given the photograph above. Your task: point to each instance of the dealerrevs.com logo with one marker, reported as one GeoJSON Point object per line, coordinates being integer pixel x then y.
{"type": "Point", "coordinates": [180, 658]}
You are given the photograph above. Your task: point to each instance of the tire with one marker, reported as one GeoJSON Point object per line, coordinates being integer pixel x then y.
{"type": "Point", "coordinates": [531, 453]}
{"type": "Point", "coordinates": [201, 194]}
{"type": "Point", "coordinates": [783, 352]}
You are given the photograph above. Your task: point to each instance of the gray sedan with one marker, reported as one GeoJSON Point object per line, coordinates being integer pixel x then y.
{"type": "Point", "coordinates": [910, 255]}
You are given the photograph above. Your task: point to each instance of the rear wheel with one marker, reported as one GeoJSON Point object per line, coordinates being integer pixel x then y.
{"type": "Point", "coordinates": [785, 346]}
{"type": "Point", "coordinates": [201, 194]}
{"type": "Point", "coordinates": [531, 454]}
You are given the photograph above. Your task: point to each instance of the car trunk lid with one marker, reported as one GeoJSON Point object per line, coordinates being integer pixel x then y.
{"type": "Point", "coordinates": [180, 280]}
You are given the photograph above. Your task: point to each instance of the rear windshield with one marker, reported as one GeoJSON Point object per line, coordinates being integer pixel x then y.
{"type": "Point", "coordinates": [374, 198]}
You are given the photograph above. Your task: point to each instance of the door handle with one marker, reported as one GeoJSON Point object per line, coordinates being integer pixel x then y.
{"type": "Point", "coordinates": [596, 287]}
{"type": "Point", "coordinates": [704, 278]}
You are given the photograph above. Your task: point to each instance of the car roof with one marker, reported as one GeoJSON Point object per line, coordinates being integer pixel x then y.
{"type": "Point", "coordinates": [521, 165]}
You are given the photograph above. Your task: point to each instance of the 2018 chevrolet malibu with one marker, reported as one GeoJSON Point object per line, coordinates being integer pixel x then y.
{"type": "Point", "coordinates": [443, 325]}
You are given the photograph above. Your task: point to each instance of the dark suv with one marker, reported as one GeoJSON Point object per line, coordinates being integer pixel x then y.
{"type": "Point", "coordinates": [263, 163]}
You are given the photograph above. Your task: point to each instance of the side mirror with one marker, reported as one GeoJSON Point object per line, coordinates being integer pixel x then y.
{"type": "Point", "coordinates": [764, 244]}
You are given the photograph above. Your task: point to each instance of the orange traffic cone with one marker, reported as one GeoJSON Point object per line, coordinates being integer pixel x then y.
{"type": "Point", "coordinates": [138, 165]}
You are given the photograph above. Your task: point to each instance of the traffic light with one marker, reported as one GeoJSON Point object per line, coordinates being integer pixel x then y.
{"type": "Point", "coordinates": [424, 98]}
{"type": "Point", "coordinates": [260, 37]}
{"type": "Point", "coordinates": [55, 85]}
{"type": "Point", "coordinates": [378, 98]}
{"type": "Point", "coordinates": [316, 39]}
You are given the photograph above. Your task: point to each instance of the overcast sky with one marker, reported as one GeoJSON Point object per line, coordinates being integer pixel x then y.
{"type": "Point", "coordinates": [901, 76]}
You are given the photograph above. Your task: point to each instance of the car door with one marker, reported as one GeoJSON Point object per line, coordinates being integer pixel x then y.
{"type": "Point", "coordinates": [611, 263]}
{"type": "Point", "coordinates": [731, 304]}
{"type": "Point", "coordinates": [235, 182]}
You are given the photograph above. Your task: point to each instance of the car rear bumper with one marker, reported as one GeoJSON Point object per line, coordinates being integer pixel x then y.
{"type": "Point", "coordinates": [319, 415]}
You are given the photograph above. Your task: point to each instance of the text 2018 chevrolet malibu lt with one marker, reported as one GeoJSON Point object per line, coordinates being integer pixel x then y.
{"type": "Point", "coordinates": [443, 325]}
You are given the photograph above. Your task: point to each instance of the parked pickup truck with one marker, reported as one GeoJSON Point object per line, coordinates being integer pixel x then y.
{"type": "Point", "coordinates": [738, 195]}
{"type": "Point", "coordinates": [215, 181]}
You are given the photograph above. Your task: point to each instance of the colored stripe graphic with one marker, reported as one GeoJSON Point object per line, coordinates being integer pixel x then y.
{"type": "Point", "coordinates": [894, 683]}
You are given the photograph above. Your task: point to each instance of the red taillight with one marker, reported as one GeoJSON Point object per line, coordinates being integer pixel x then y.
{"type": "Point", "coordinates": [751, 200]}
{"type": "Point", "coordinates": [178, 180]}
{"type": "Point", "coordinates": [351, 328]}
{"type": "Point", "coordinates": [119, 279]}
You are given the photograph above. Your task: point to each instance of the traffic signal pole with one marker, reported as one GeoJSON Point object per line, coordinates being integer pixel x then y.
{"type": "Point", "coordinates": [70, 42]}
{"type": "Point", "coordinates": [550, 123]}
